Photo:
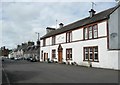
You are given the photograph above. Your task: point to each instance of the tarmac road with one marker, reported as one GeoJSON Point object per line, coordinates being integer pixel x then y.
{"type": "Point", "coordinates": [36, 72]}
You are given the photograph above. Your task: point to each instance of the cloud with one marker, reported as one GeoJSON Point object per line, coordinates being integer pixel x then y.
{"type": "Point", "coordinates": [58, 0]}
{"type": "Point", "coordinates": [20, 20]}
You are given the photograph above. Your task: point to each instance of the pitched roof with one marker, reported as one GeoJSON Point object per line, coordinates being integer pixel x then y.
{"type": "Point", "coordinates": [97, 17]}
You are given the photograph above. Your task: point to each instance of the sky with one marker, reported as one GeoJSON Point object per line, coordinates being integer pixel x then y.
{"type": "Point", "coordinates": [19, 21]}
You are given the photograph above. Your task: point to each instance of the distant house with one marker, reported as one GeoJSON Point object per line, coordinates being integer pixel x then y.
{"type": "Point", "coordinates": [28, 51]}
{"type": "Point", "coordinates": [92, 41]}
{"type": "Point", "coordinates": [32, 51]}
{"type": "Point", "coordinates": [4, 51]}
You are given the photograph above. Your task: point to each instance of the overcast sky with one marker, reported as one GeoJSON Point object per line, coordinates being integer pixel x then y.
{"type": "Point", "coordinates": [20, 20]}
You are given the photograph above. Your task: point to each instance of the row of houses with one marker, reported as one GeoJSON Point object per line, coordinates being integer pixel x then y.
{"type": "Point", "coordinates": [26, 50]}
{"type": "Point", "coordinates": [94, 41]}
{"type": "Point", "coordinates": [4, 51]}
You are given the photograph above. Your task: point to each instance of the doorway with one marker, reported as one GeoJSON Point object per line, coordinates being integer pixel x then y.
{"type": "Point", "coordinates": [60, 49]}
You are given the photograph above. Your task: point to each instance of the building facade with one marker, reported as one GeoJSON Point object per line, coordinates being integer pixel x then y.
{"type": "Point", "coordinates": [4, 52]}
{"type": "Point", "coordinates": [91, 41]}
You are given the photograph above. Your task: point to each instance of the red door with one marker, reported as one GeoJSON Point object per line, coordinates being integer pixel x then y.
{"type": "Point", "coordinates": [60, 56]}
{"type": "Point", "coordinates": [60, 53]}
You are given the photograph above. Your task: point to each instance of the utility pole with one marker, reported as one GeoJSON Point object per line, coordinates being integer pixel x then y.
{"type": "Point", "coordinates": [56, 23]}
{"type": "Point", "coordinates": [38, 34]}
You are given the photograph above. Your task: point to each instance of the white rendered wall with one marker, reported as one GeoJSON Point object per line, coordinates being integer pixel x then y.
{"type": "Point", "coordinates": [77, 34]}
{"type": "Point", "coordinates": [107, 59]}
{"type": "Point", "coordinates": [41, 42]}
{"type": "Point", "coordinates": [114, 29]}
{"type": "Point", "coordinates": [47, 41]}
{"type": "Point", "coordinates": [102, 29]}
{"type": "Point", "coordinates": [61, 38]}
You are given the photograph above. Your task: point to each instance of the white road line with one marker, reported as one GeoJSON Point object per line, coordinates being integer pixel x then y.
{"type": "Point", "coordinates": [8, 82]}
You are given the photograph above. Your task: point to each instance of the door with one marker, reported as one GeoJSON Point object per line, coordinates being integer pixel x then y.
{"type": "Point", "coordinates": [45, 56]}
{"type": "Point", "coordinates": [60, 56]}
{"type": "Point", "coordinates": [60, 53]}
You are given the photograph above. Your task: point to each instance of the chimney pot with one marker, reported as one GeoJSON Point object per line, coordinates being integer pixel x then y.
{"type": "Point", "coordinates": [92, 12]}
{"type": "Point", "coordinates": [61, 25]}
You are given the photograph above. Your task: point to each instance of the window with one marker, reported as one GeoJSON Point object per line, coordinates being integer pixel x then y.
{"type": "Point", "coordinates": [86, 54]}
{"type": "Point", "coordinates": [69, 54]}
{"type": "Point", "coordinates": [90, 32]}
{"type": "Point", "coordinates": [91, 53]}
{"type": "Point", "coordinates": [44, 42]}
{"type": "Point", "coordinates": [42, 54]}
{"type": "Point", "coordinates": [53, 54]}
{"type": "Point", "coordinates": [85, 33]}
{"type": "Point", "coordinates": [69, 37]}
{"type": "Point", "coordinates": [95, 53]}
{"type": "Point", "coordinates": [53, 40]}
{"type": "Point", "coordinates": [95, 31]}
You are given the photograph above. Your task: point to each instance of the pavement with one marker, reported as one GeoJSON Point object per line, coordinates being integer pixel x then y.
{"type": "Point", "coordinates": [23, 71]}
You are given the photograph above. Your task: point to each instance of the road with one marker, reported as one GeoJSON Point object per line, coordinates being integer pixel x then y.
{"type": "Point", "coordinates": [36, 72]}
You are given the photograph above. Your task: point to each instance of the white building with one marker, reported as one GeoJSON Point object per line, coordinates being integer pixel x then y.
{"type": "Point", "coordinates": [94, 39]}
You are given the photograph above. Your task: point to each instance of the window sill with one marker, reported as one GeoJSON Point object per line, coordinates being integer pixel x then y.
{"type": "Point", "coordinates": [90, 61]}
{"type": "Point", "coordinates": [69, 59]}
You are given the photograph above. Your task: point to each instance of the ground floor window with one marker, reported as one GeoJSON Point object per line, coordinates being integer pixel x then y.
{"type": "Point", "coordinates": [53, 54]}
{"type": "Point", "coordinates": [42, 54]}
{"type": "Point", "coordinates": [69, 54]}
{"type": "Point", "coordinates": [91, 53]}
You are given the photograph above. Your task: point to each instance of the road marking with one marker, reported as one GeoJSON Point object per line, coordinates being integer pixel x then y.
{"type": "Point", "coordinates": [8, 82]}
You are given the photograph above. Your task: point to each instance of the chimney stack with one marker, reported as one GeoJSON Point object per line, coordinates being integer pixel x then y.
{"type": "Point", "coordinates": [61, 25]}
{"type": "Point", "coordinates": [92, 12]}
{"type": "Point", "coordinates": [18, 46]}
{"type": "Point", "coordinates": [49, 29]}
{"type": "Point", "coordinates": [30, 43]}
{"type": "Point", "coordinates": [24, 44]}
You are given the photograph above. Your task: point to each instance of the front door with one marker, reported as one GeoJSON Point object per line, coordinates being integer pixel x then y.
{"type": "Point", "coordinates": [45, 56]}
{"type": "Point", "coordinates": [60, 54]}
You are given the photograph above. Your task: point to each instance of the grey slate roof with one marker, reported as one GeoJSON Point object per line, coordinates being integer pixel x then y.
{"type": "Point", "coordinates": [97, 17]}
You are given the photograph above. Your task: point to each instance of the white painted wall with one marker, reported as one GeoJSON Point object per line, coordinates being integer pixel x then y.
{"type": "Point", "coordinates": [102, 29]}
{"type": "Point", "coordinates": [61, 38]}
{"type": "Point", "coordinates": [41, 42]}
{"type": "Point", "coordinates": [47, 41]}
{"type": "Point", "coordinates": [77, 34]}
{"type": "Point", "coordinates": [114, 29]}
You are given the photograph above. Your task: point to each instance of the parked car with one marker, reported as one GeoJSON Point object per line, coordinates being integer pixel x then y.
{"type": "Point", "coordinates": [33, 60]}
{"type": "Point", "coordinates": [12, 58]}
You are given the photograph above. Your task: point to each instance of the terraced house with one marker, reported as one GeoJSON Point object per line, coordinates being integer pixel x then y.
{"type": "Point", "coordinates": [93, 41]}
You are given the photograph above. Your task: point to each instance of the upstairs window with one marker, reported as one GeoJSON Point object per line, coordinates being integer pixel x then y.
{"type": "Point", "coordinates": [69, 54]}
{"type": "Point", "coordinates": [95, 31]}
{"type": "Point", "coordinates": [68, 37]}
{"type": "Point", "coordinates": [53, 40]}
{"type": "Point", "coordinates": [85, 33]}
{"type": "Point", "coordinates": [90, 32]}
{"type": "Point", "coordinates": [44, 42]}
